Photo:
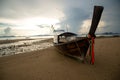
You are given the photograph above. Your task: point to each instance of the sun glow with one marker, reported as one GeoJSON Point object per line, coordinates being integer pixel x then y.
{"type": "Point", "coordinates": [32, 26]}
{"type": "Point", "coordinates": [31, 30]}
{"type": "Point", "coordinates": [38, 21]}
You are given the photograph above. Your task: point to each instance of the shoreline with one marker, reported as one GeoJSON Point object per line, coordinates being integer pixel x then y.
{"type": "Point", "coordinates": [28, 42]}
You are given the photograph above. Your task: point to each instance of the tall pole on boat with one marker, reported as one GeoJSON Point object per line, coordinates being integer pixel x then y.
{"type": "Point", "coordinates": [95, 21]}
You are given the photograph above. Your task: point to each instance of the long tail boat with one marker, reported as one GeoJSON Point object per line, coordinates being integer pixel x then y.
{"type": "Point", "coordinates": [69, 44]}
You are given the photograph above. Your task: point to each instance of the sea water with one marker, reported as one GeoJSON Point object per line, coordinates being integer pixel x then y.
{"type": "Point", "coordinates": [32, 44]}
{"type": "Point", "coordinates": [23, 37]}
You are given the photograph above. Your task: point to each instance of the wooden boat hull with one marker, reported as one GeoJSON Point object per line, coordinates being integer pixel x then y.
{"type": "Point", "coordinates": [76, 48]}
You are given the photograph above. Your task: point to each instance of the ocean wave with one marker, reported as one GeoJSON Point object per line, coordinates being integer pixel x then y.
{"type": "Point", "coordinates": [23, 46]}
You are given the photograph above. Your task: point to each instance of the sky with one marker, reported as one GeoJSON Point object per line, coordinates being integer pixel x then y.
{"type": "Point", "coordinates": [35, 17]}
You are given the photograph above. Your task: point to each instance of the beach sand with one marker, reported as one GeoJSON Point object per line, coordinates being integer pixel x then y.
{"type": "Point", "coordinates": [48, 64]}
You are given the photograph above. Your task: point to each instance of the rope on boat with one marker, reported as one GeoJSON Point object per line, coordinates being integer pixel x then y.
{"type": "Point", "coordinates": [78, 48]}
{"type": "Point", "coordinates": [92, 50]}
{"type": "Point", "coordinates": [81, 54]}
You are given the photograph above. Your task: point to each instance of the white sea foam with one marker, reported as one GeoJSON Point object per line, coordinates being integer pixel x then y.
{"type": "Point", "coordinates": [23, 46]}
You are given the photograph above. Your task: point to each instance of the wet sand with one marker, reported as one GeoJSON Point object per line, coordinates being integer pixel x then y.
{"type": "Point", "coordinates": [48, 64]}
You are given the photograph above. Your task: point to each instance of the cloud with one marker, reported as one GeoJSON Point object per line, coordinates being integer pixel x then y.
{"type": "Point", "coordinates": [5, 24]}
{"type": "Point", "coordinates": [77, 14]}
{"type": "Point", "coordinates": [74, 17]}
{"type": "Point", "coordinates": [110, 15]}
{"type": "Point", "coordinates": [85, 27]}
{"type": "Point", "coordinates": [12, 10]}
{"type": "Point", "coordinates": [7, 31]}
{"type": "Point", "coordinates": [74, 13]}
{"type": "Point", "coordinates": [30, 7]}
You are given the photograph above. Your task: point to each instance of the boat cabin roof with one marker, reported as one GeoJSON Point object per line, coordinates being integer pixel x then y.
{"type": "Point", "coordinates": [65, 37]}
{"type": "Point", "coordinates": [67, 34]}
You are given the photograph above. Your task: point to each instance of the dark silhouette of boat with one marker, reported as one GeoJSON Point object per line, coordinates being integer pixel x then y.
{"type": "Point", "coordinates": [69, 44]}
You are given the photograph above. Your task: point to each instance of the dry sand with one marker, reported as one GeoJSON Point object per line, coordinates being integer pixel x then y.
{"type": "Point", "coordinates": [48, 64]}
